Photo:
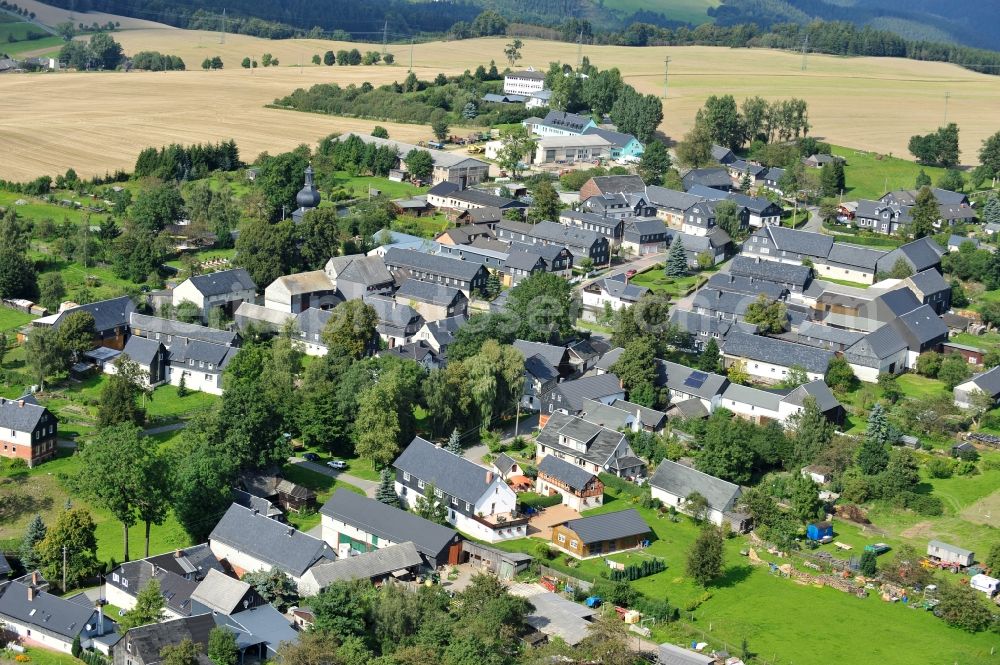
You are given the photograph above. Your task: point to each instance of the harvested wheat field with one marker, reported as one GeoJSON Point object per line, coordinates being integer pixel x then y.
{"type": "Point", "coordinates": [96, 122]}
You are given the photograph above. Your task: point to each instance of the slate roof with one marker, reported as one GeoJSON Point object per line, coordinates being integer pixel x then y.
{"type": "Point", "coordinates": [695, 323]}
{"type": "Point", "coordinates": [773, 271]}
{"type": "Point", "coordinates": [671, 198]}
{"type": "Point", "coordinates": [726, 281]}
{"type": "Point", "coordinates": [590, 218]}
{"type": "Point", "coordinates": [756, 397]}
{"type": "Point", "coordinates": [523, 259]}
{"type": "Point", "coordinates": [619, 184]}
{"type": "Point", "coordinates": [816, 334]}
{"type": "Point", "coordinates": [443, 331]}
{"type": "Point", "coordinates": [175, 588]}
{"type": "Point", "coordinates": [617, 287]}
{"type": "Point", "coordinates": [677, 377]}
{"type": "Point", "coordinates": [727, 302]}
{"type": "Point", "coordinates": [260, 504]}
{"type": "Point", "coordinates": [587, 387]}
{"type": "Point", "coordinates": [148, 641]}
{"type": "Point", "coordinates": [875, 346]}
{"type": "Point", "coordinates": [958, 241]}
{"type": "Point", "coordinates": [818, 390]}
{"type": "Point", "coordinates": [681, 480]}
{"type": "Point", "coordinates": [142, 350]}
{"type": "Point", "coordinates": [433, 263]}
{"type": "Point", "coordinates": [988, 382]}
{"type": "Point", "coordinates": [568, 121]}
{"type": "Point", "coordinates": [605, 415]}
{"type": "Point", "coordinates": [929, 281]}
{"type": "Point", "coordinates": [575, 477]}
{"type": "Point", "coordinates": [920, 254]}
{"type": "Point", "coordinates": [609, 526]}
{"type": "Point", "coordinates": [603, 442]}
{"type": "Point", "coordinates": [450, 473]}
{"type": "Point", "coordinates": [637, 228]}
{"type": "Point", "coordinates": [504, 463]}
{"type": "Point", "coordinates": [220, 592]}
{"type": "Point", "coordinates": [799, 242]}
{"type": "Point", "coordinates": [222, 282]}
{"type": "Point", "coordinates": [19, 418]}
{"type": "Point", "coordinates": [435, 294]}
{"type": "Point", "coordinates": [554, 355]}
{"type": "Point", "coordinates": [191, 349]}
{"type": "Point", "coordinates": [108, 314]}
{"type": "Point", "coordinates": [444, 188]}
{"type": "Point", "coordinates": [717, 178]}
{"type": "Point", "coordinates": [269, 541]}
{"type": "Point", "coordinates": [722, 154]}
{"type": "Point", "coordinates": [261, 624]}
{"type": "Point", "coordinates": [416, 351]}
{"type": "Point", "coordinates": [668, 654]}
{"type": "Point", "coordinates": [776, 352]}
{"type": "Point", "coordinates": [312, 321]}
{"type": "Point", "coordinates": [854, 256]}
{"type": "Point", "coordinates": [388, 523]}
{"type": "Point", "coordinates": [898, 301]}
{"type": "Point", "coordinates": [155, 324]}
{"type": "Point", "coordinates": [49, 613]}
{"type": "Point", "coordinates": [920, 326]}
{"type": "Point", "coordinates": [358, 268]}
{"type": "Point", "coordinates": [481, 198]}
{"type": "Point", "coordinates": [368, 565]}
{"type": "Point", "coordinates": [617, 139]}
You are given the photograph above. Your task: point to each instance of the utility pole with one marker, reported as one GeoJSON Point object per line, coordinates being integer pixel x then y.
{"type": "Point", "coordinates": [805, 51]}
{"type": "Point", "coordinates": [385, 33]}
{"type": "Point", "coordinates": [666, 76]}
{"type": "Point", "coordinates": [64, 569]}
{"type": "Point", "coordinates": [579, 49]}
{"type": "Point", "coordinates": [411, 55]}
{"type": "Point", "coordinates": [222, 33]}
{"type": "Point", "coordinates": [947, 94]}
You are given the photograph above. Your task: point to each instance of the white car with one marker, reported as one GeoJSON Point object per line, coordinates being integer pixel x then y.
{"type": "Point", "coordinates": [338, 464]}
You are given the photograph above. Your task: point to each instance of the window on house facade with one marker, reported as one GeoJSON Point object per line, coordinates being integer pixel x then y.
{"type": "Point", "coordinates": [420, 484]}
{"type": "Point", "coordinates": [561, 538]}
{"type": "Point", "coordinates": [573, 544]}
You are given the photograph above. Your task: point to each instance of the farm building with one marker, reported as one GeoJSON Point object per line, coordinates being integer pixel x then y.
{"type": "Point", "coordinates": [950, 554]}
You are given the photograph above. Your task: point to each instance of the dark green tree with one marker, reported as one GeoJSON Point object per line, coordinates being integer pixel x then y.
{"type": "Point", "coordinates": [727, 217]}
{"type": "Point", "coordinates": [811, 432]}
{"type": "Point", "coordinates": [654, 163]}
{"type": "Point", "coordinates": [676, 263]}
{"type": "Point", "coordinates": [430, 506]}
{"type": "Point", "coordinates": [923, 180]}
{"type": "Point", "coordinates": [419, 163]}
{"type": "Point", "coordinates": [351, 329]}
{"type": "Point", "coordinates": [267, 250]}
{"type": "Point", "coordinates": [710, 359]}
{"type": "Point", "coordinates": [329, 59]}
{"type": "Point", "coordinates": [543, 306]}
{"type": "Point", "coordinates": [705, 559]}
{"type": "Point", "coordinates": [962, 607]}
{"type": "Point", "coordinates": [202, 475]}
{"type": "Point", "coordinates": [148, 608]}
{"type": "Point", "coordinates": [873, 454]}
{"type": "Point", "coordinates": [636, 367]}
{"type": "Point", "coordinates": [545, 204]}
{"type": "Point", "coordinates": [33, 535]}
{"type": "Point", "coordinates": [723, 120]}
{"type": "Point", "coordinates": [386, 492]}
{"type": "Point", "coordinates": [869, 563]}
{"type": "Point", "coordinates": [805, 501]}
{"type": "Point", "coordinates": [274, 586]}
{"type": "Point", "coordinates": [840, 376]}
{"type": "Point", "coordinates": [222, 646]}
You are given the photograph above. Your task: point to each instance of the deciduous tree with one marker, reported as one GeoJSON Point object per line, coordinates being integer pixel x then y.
{"type": "Point", "coordinates": [222, 647]}
{"type": "Point", "coordinates": [705, 559]}
{"type": "Point", "coordinates": [148, 608]}
{"type": "Point", "coordinates": [75, 531]}
{"type": "Point", "coordinates": [654, 163]}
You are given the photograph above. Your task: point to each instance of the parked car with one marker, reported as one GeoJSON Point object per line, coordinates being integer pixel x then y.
{"type": "Point", "coordinates": [338, 464]}
{"type": "Point", "coordinates": [631, 273]}
{"type": "Point", "coordinates": [311, 457]}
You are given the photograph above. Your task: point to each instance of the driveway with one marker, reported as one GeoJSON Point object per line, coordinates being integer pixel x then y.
{"type": "Point", "coordinates": [540, 525]}
{"type": "Point", "coordinates": [639, 264]}
{"type": "Point", "coordinates": [367, 485]}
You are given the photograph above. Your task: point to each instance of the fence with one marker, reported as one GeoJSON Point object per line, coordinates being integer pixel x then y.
{"type": "Point", "coordinates": [575, 582]}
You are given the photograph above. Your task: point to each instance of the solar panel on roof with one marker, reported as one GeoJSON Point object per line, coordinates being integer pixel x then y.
{"type": "Point", "coordinates": [695, 379]}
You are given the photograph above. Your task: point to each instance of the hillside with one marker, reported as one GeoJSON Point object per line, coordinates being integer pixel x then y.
{"type": "Point", "coordinates": [197, 106]}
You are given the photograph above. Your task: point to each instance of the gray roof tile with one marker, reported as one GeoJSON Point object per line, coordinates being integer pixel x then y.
{"type": "Point", "coordinates": [450, 473]}
{"type": "Point", "coordinates": [269, 541]}
{"type": "Point", "coordinates": [777, 352]}
{"type": "Point", "coordinates": [682, 481]}
{"type": "Point", "coordinates": [562, 470]}
{"type": "Point", "coordinates": [222, 282]}
{"type": "Point", "coordinates": [609, 526]}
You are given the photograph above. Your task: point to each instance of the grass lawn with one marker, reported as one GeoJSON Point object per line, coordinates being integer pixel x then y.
{"type": "Point", "coordinates": [985, 342]}
{"type": "Point", "coordinates": [655, 280]}
{"type": "Point", "coordinates": [40, 656]}
{"type": "Point", "coordinates": [869, 177]}
{"type": "Point", "coordinates": [425, 227]}
{"type": "Point", "coordinates": [323, 485]}
{"type": "Point", "coordinates": [19, 30]}
{"type": "Point", "coordinates": [167, 404]}
{"type": "Point", "coordinates": [359, 185]}
{"type": "Point", "coordinates": [776, 615]}
{"type": "Point", "coordinates": [11, 319]}
{"type": "Point", "coordinates": [914, 385]}
{"type": "Point", "coordinates": [845, 282]}
{"type": "Point", "coordinates": [47, 46]}
{"type": "Point", "coordinates": [44, 490]}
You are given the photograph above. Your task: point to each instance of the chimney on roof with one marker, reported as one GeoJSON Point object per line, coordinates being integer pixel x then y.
{"type": "Point", "coordinates": [178, 554]}
{"type": "Point", "coordinates": [34, 578]}
{"type": "Point", "coordinates": [31, 593]}
{"type": "Point", "coordinates": [100, 617]}
{"type": "Point", "coordinates": [489, 477]}
{"type": "Point", "coordinates": [291, 531]}
{"type": "Point", "coordinates": [20, 403]}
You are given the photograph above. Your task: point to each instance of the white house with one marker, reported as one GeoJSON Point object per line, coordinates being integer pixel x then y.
{"type": "Point", "coordinates": [525, 82]}
{"type": "Point", "coordinates": [987, 382]}
{"type": "Point", "coordinates": [614, 292]}
{"type": "Point", "coordinates": [49, 620]}
{"type": "Point", "coordinates": [580, 489]}
{"type": "Point", "coordinates": [479, 501]}
{"type": "Point", "coordinates": [225, 289]}
{"type": "Point", "coordinates": [674, 483]}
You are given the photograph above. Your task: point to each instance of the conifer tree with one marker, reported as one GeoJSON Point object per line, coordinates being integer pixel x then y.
{"type": "Point", "coordinates": [34, 534]}
{"type": "Point", "coordinates": [386, 492]}
{"type": "Point", "coordinates": [676, 264]}
{"type": "Point", "coordinates": [454, 443]}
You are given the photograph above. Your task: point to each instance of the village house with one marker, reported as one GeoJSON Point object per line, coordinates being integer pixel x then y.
{"type": "Point", "coordinates": [177, 572]}
{"type": "Point", "coordinates": [790, 277]}
{"type": "Point", "coordinates": [580, 489]}
{"type": "Point", "coordinates": [28, 430]}
{"type": "Point", "coordinates": [611, 206]}
{"type": "Point", "coordinates": [671, 205]}
{"type": "Point", "coordinates": [297, 293]}
{"type": "Point", "coordinates": [473, 199]}
{"type": "Point", "coordinates": [164, 330]}
{"type": "Point", "coordinates": [357, 275]}
{"type": "Point", "coordinates": [589, 221]}
{"type": "Point", "coordinates": [432, 301]}
{"type": "Point", "coordinates": [674, 484]}
{"type": "Point", "coordinates": [597, 535]}
{"type": "Point", "coordinates": [622, 414]}
{"type": "Point", "coordinates": [623, 146]}
{"type": "Point", "coordinates": [466, 276]}
{"type": "Point", "coordinates": [354, 524]}
{"type": "Point", "coordinates": [38, 617]}
{"type": "Point", "coordinates": [507, 467]}
{"type": "Point", "coordinates": [591, 447]}
{"type": "Point", "coordinates": [142, 645]}
{"type": "Point", "coordinates": [716, 178]}
{"type": "Point", "coordinates": [248, 542]}
{"type": "Point", "coordinates": [612, 184]}
{"type": "Point", "coordinates": [987, 382]}
{"type": "Point", "coordinates": [397, 323]}
{"type": "Point", "coordinates": [111, 320]}
{"type": "Point", "coordinates": [478, 501]}
{"type": "Point", "coordinates": [614, 292]}
{"type": "Point", "coordinates": [714, 246]}
{"type": "Point", "coordinates": [644, 236]}
{"type": "Point", "coordinates": [770, 359]}
{"type": "Point", "coordinates": [582, 244]}
{"type": "Point", "coordinates": [419, 352]}
{"type": "Point", "coordinates": [440, 334]}
{"type": "Point", "coordinates": [225, 290]}
{"type": "Point", "coordinates": [568, 396]}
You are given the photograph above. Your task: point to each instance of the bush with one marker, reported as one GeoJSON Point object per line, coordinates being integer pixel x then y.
{"type": "Point", "coordinates": [922, 504]}
{"type": "Point", "coordinates": [543, 551]}
{"type": "Point", "coordinates": [533, 500]}
{"type": "Point", "coordinates": [637, 571]}
{"type": "Point", "coordinates": [940, 468]}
